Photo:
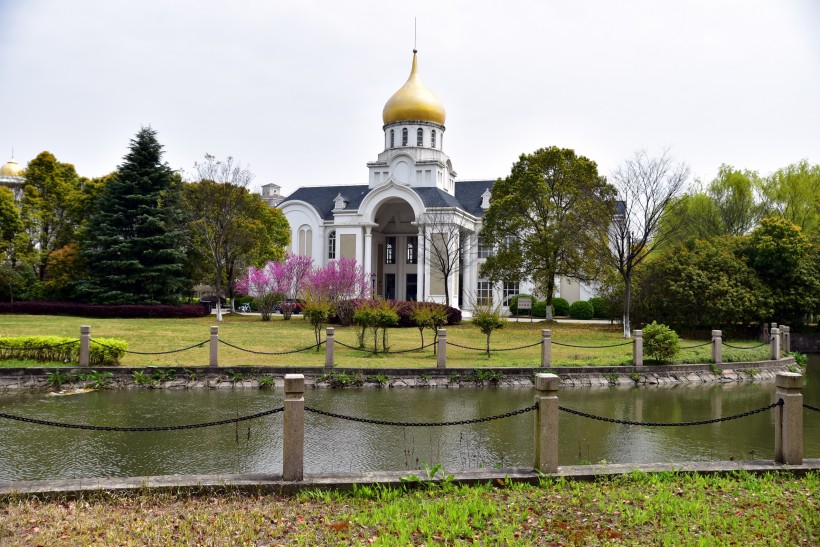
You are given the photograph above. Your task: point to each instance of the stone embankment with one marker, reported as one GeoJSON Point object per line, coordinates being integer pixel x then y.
{"type": "Point", "coordinates": [43, 378]}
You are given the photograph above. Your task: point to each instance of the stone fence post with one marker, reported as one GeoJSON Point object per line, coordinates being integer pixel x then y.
{"type": "Point", "coordinates": [717, 346]}
{"type": "Point", "coordinates": [788, 423]}
{"type": "Point", "coordinates": [293, 441]}
{"type": "Point", "coordinates": [785, 339]}
{"type": "Point", "coordinates": [85, 345]}
{"type": "Point", "coordinates": [637, 348]}
{"type": "Point", "coordinates": [546, 348]}
{"type": "Point", "coordinates": [441, 357]}
{"type": "Point", "coordinates": [546, 422]}
{"type": "Point", "coordinates": [214, 360]}
{"type": "Point", "coordinates": [775, 343]}
{"type": "Point", "coordinates": [329, 349]}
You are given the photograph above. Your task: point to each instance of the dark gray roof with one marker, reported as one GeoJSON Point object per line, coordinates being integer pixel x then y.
{"type": "Point", "coordinates": [467, 198]}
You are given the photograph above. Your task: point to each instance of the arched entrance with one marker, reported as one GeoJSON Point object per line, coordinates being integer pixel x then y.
{"type": "Point", "coordinates": [396, 251]}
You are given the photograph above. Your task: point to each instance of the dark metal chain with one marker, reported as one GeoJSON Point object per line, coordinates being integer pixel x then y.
{"type": "Point", "coordinates": [153, 428]}
{"type": "Point", "coordinates": [697, 345]}
{"type": "Point", "coordinates": [743, 347]}
{"type": "Point", "coordinates": [423, 424]}
{"type": "Point", "coordinates": [814, 408]}
{"type": "Point", "coordinates": [410, 350]}
{"type": "Point", "coordinates": [492, 350]}
{"type": "Point", "coordinates": [594, 347]}
{"type": "Point", "coordinates": [366, 350]}
{"type": "Point", "coordinates": [150, 352]}
{"type": "Point", "coordinates": [672, 424]}
{"type": "Point", "coordinates": [467, 347]}
{"type": "Point", "coordinates": [314, 346]}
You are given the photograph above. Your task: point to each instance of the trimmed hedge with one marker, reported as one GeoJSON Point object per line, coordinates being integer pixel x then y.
{"type": "Point", "coordinates": [61, 349]}
{"type": "Point", "coordinates": [601, 306]}
{"type": "Point", "coordinates": [404, 308]}
{"type": "Point", "coordinates": [514, 302]}
{"type": "Point", "coordinates": [129, 311]}
{"type": "Point", "coordinates": [560, 306]}
{"type": "Point", "coordinates": [581, 309]}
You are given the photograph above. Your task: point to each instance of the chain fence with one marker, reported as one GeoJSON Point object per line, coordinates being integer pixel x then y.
{"type": "Point", "coordinates": [423, 424]}
{"type": "Point", "coordinates": [492, 349]}
{"type": "Point", "coordinates": [697, 345]}
{"type": "Point", "coordinates": [150, 352]}
{"type": "Point", "coordinates": [745, 347]}
{"type": "Point", "coordinates": [594, 347]}
{"type": "Point", "coordinates": [673, 424]}
{"type": "Point", "coordinates": [314, 346]}
{"type": "Point", "coordinates": [146, 428]}
{"type": "Point", "coordinates": [814, 408]}
{"type": "Point", "coordinates": [375, 352]}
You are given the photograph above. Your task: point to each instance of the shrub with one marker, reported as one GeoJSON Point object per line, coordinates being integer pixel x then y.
{"type": "Point", "coordinates": [560, 306]}
{"type": "Point", "coordinates": [487, 318]}
{"type": "Point", "coordinates": [539, 309]}
{"type": "Point", "coordinates": [404, 309]}
{"type": "Point", "coordinates": [660, 342]}
{"type": "Point", "coordinates": [601, 307]}
{"type": "Point", "coordinates": [128, 311]}
{"type": "Point", "coordinates": [581, 310]}
{"type": "Point", "coordinates": [60, 349]}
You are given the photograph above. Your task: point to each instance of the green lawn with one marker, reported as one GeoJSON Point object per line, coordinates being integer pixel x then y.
{"type": "Point", "coordinates": [639, 509]}
{"type": "Point", "coordinates": [249, 332]}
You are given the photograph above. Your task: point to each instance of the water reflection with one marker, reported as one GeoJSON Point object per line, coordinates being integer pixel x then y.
{"type": "Point", "coordinates": [29, 452]}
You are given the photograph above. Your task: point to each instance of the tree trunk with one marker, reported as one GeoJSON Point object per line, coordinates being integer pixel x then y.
{"type": "Point", "coordinates": [550, 291]}
{"type": "Point", "coordinates": [488, 346]}
{"type": "Point", "coordinates": [627, 298]}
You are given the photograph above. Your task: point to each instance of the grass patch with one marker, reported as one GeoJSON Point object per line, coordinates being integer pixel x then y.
{"type": "Point", "coordinates": [249, 332]}
{"type": "Point", "coordinates": [658, 509]}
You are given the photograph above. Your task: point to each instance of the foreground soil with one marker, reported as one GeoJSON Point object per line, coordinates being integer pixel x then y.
{"type": "Point", "coordinates": [658, 509]}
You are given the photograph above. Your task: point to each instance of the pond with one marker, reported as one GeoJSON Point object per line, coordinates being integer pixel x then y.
{"type": "Point", "coordinates": [31, 452]}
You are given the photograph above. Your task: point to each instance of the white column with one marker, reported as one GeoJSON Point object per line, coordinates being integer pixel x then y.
{"type": "Point", "coordinates": [367, 262]}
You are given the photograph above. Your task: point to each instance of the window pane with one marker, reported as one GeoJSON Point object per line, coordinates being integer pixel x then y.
{"type": "Point", "coordinates": [390, 250]}
{"type": "Point", "coordinates": [412, 243]}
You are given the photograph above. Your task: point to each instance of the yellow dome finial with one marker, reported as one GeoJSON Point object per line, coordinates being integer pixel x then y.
{"type": "Point", "coordinates": [414, 101]}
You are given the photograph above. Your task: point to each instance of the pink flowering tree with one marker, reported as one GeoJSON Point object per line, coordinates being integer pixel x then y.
{"type": "Point", "coordinates": [274, 281]}
{"type": "Point", "coordinates": [341, 279]}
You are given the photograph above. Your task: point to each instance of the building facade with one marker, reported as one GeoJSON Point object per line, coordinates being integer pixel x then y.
{"type": "Point", "coordinates": [413, 226]}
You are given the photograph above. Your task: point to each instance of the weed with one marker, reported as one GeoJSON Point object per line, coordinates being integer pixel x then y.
{"type": "Point", "coordinates": [235, 376]}
{"type": "Point", "coordinates": [800, 358]}
{"type": "Point", "coordinates": [56, 379]}
{"type": "Point", "coordinates": [380, 379]}
{"type": "Point", "coordinates": [341, 379]}
{"type": "Point", "coordinates": [141, 378]}
{"type": "Point", "coordinates": [424, 377]}
{"type": "Point", "coordinates": [97, 380]}
{"type": "Point", "coordinates": [193, 376]}
{"type": "Point", "coordinates": [431, 472]}
{"type": "Point", "coordinates": [752, 372]}
{"type": "Point", "coordinates": [612, 378]}
{"type": "Point", "coordinates": [454, 378]}
{"type": "Point", "coordinates": [487, 375]}
{"type": "Point", "coordinates": [635, 377]}
{"type": "Point", "coordinates": [267, 382]}
{"type": "Point", "coordinates": [163, 374]}
{"type": "Point", "coordinates": [715, 370]}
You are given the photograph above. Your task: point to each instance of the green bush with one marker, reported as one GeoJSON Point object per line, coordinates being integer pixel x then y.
{"type": "Point", "coordinates": [581, 310]}
{"type": "Point", "coordinates": [601, 307]}
{"type": "Point", "coordinates": [560, 306]}
{"type": "Point", "coordinates": [539, 308]}
{"type": "Point", "coordinates": [61, 349]}
{"type": "Point", "coordinates": [660, 342]}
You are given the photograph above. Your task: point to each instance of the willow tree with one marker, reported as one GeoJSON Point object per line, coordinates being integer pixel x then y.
{"type": "Point", "coordinates": [543, 220]}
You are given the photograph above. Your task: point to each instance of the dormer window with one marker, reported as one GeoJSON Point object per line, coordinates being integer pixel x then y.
{"type": "Point", "coordinates": [433, 138]}
{"type": "Point", "coordinates": [404, 137]}
{"type": "Point", "coordinates": [419, 137]}
{"type": "Point", "coordinates": [339, 203]}
{"type": "Point", "coordinates": [392, 138]}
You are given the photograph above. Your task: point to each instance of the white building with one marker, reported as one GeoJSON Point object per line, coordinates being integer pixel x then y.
{"type": "Point", "coordinates": [410, 215]}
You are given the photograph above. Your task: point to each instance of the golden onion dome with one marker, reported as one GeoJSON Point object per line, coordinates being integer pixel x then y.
{"type": "Point", "coordinates": [414, 102]}
{"type": "Point", "coordinates": [11, 169]}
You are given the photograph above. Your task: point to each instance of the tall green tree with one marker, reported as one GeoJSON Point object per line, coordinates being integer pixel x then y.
{"type": "Point", "coordinates": [789, 264]}
{"type": "Point", "coordinates": [793, 193]}
{"type": "Point", "coordinates": [647, 187]}
{"type": "Point", "coordinates": [231, 228]}
{"type": "Point", "coordinates": [13, 243]}
{"type": "Point", "coordinates": [135, 236]}
{"type": "Point", "coordinates": [544, 219]}
{"type": "Point", "coordinates": [49, 206]}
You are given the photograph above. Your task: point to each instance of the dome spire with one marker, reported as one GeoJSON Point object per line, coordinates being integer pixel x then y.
{"type": "Point", "coordinates": [414, 101]}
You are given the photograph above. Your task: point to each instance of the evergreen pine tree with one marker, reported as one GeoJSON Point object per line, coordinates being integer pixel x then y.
{"type": "Point", "coordinates": [134, 238]}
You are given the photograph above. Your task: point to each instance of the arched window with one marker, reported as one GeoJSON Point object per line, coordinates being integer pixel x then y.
{"type": "Point", "coordinates": [404, 136]}
{"type": "Point", "coordinates": [392, 138]}
{"type": "Point", "coordinates": [305, 241]}
{"type": "Point", "coordinates": [433, 138]}
{"type": "Point", "coordinates": [419, 137]}
{"type": "Point", "coordinates": [331, 245]}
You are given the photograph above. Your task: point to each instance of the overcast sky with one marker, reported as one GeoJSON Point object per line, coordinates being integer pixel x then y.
{"type": "Point", "coordinates": [295, 89]}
